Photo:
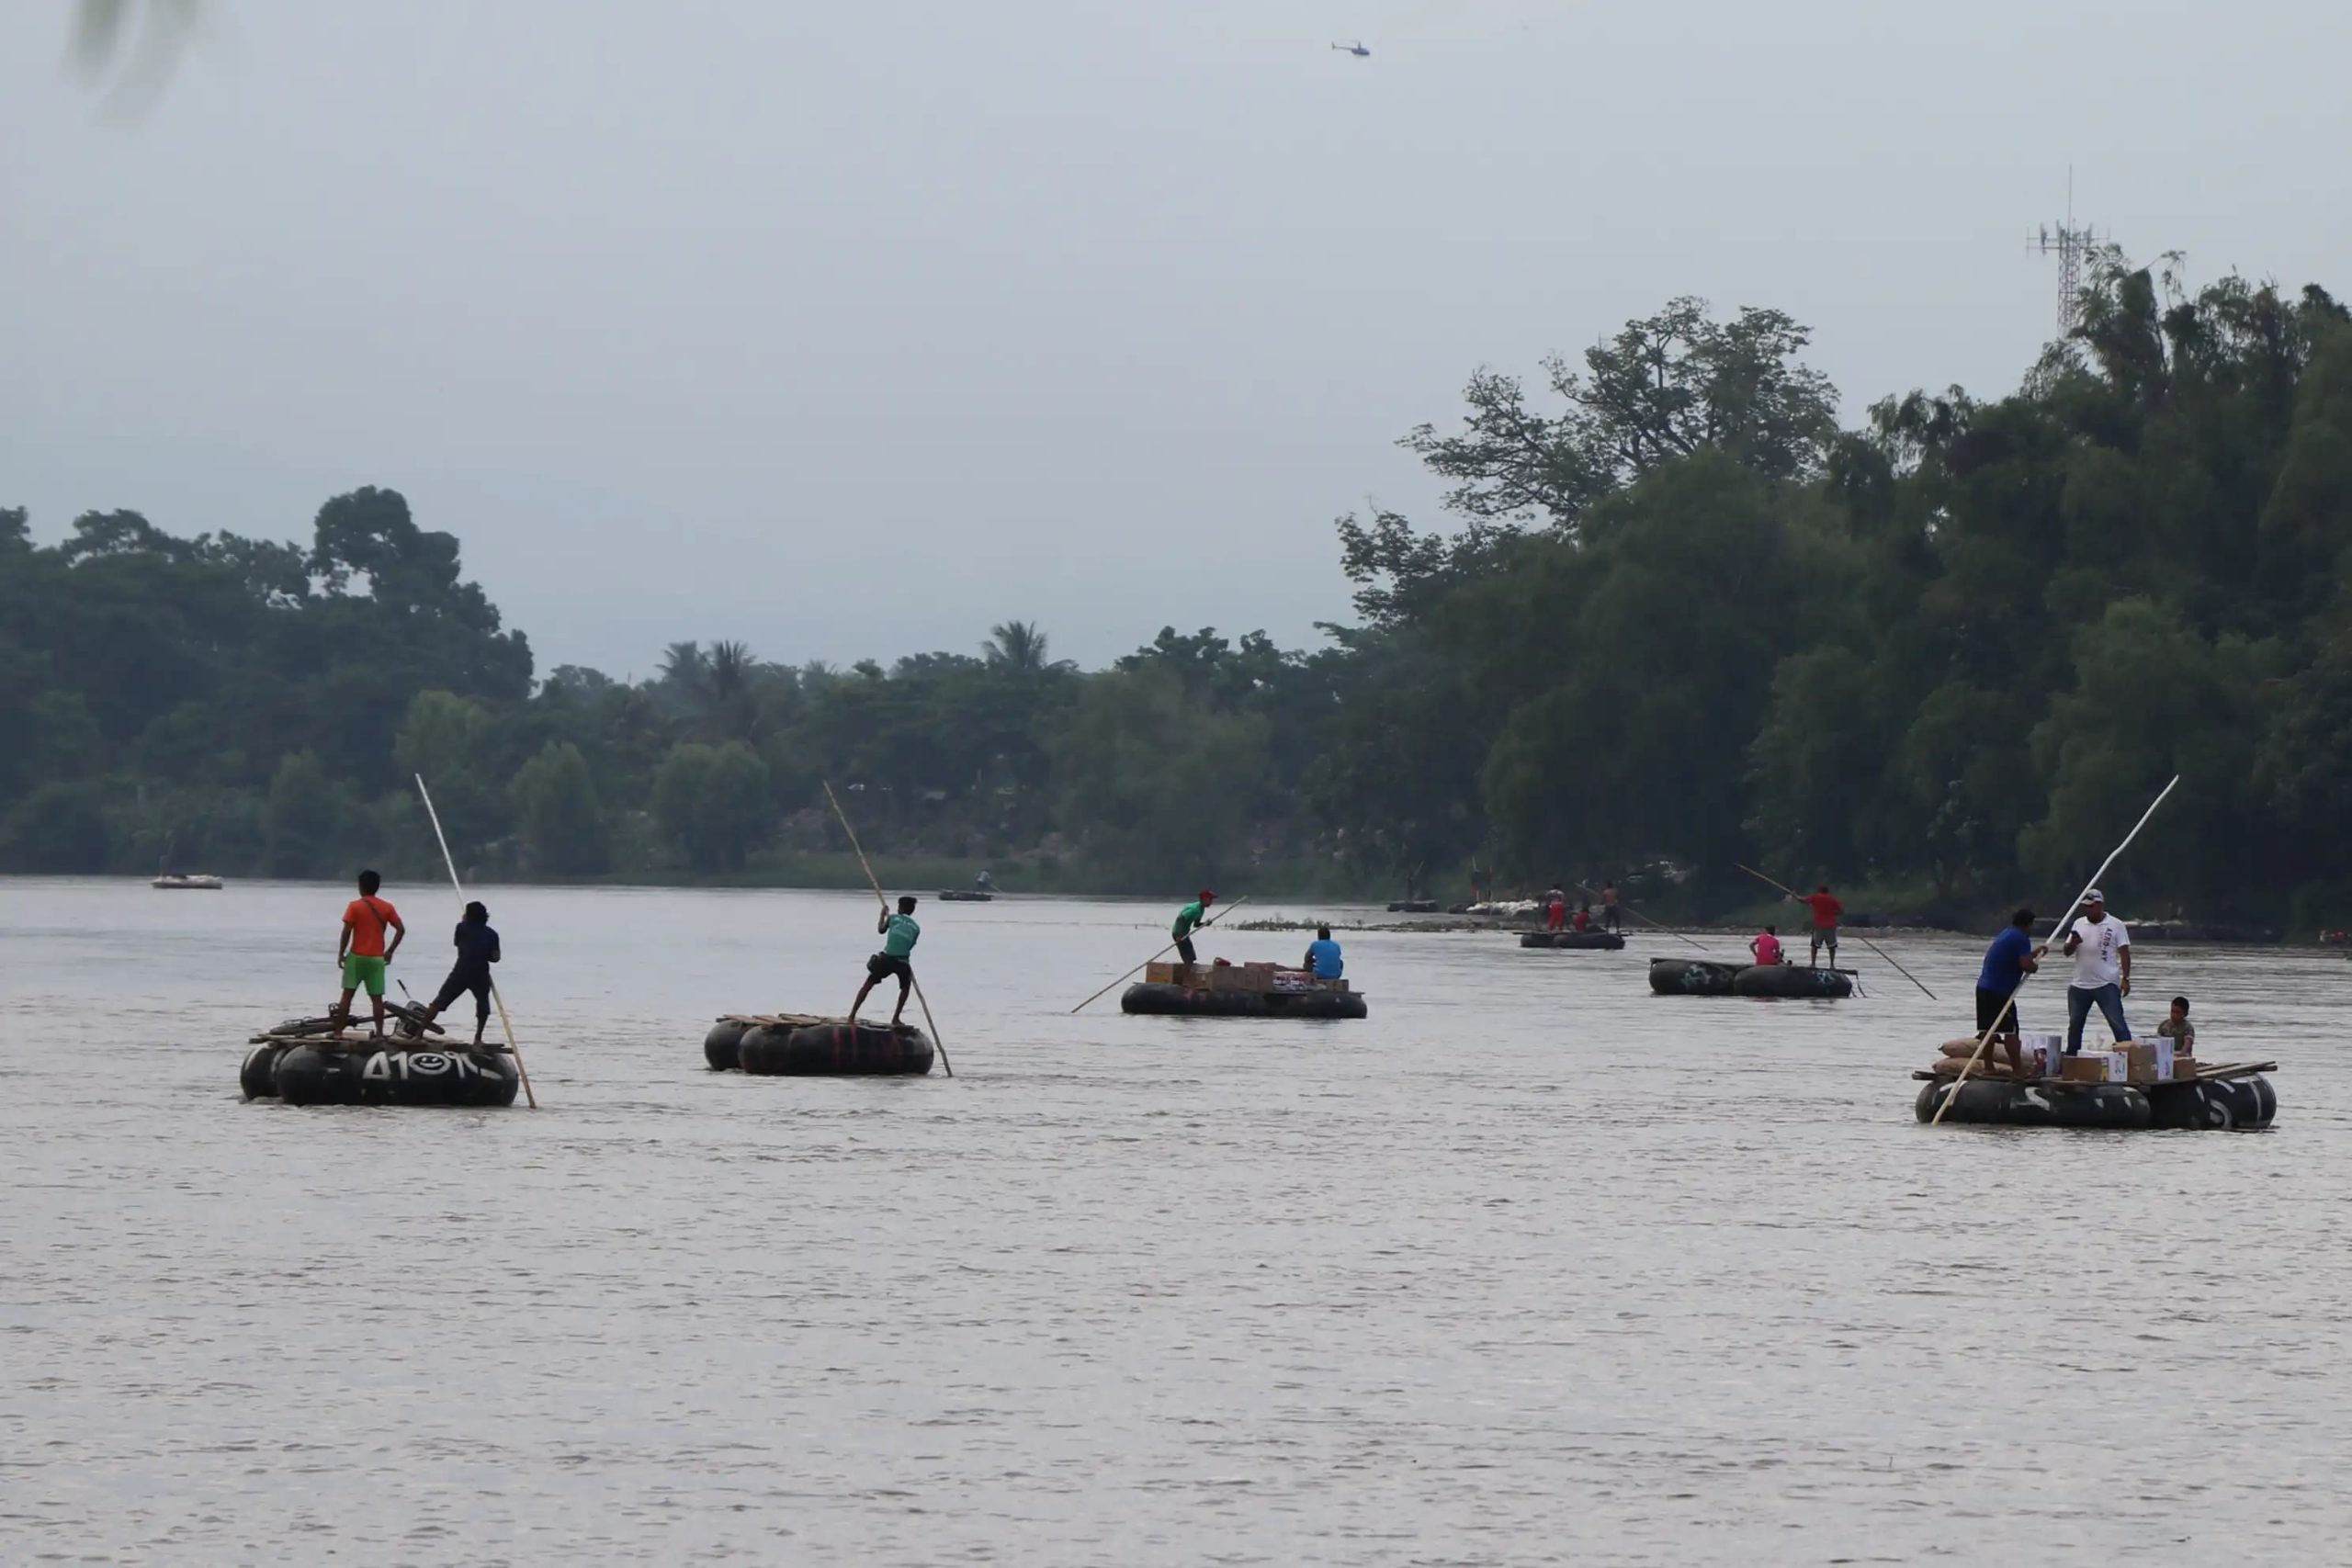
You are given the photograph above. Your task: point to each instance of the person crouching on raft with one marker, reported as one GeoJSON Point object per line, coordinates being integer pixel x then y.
{"type": "Point", "coordinates": [361, 954]}
{"type": "Point", "coordinates": [900, 933]}
{"type": "Point", "coordinates": [1188, 921]}
{"type": "Point", "coordinates": [1323, 956]}
{"type": "Point", "coordinates": [476, 945]}
{"type": "Point", "coordinates": [1767, 947]}
{"type": "Point", "coordinates": [1826, 912]}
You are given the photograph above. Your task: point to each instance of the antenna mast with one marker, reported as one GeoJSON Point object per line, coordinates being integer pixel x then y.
{"type": "Point", "coordinates": [2070, 243]}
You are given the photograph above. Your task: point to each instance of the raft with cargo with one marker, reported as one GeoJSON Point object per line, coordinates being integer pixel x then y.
{"type": "Point", "coordinates": [1240, 990]}
{"type": "Point", "coordinates": [2138, 1084]}
{"type": "Point", "coordinates": [795, 1044]}
{"type": "Point", "coordinates": [1710, 977]}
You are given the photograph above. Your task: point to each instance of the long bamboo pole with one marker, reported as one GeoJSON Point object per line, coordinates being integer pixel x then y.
{"type": "Point", "coordinates": [1858, 936]}
{"type": "Point", "coordinates": [2056, 937]}
{"type": "Point", "coordinates": [883, 899]}
{"type": "Point", "coordinates": [1628, 908]}
{"type": "Point", "coordinates": [504, 1022]}
{"type": "Point", "coordinates": [1169, 949]}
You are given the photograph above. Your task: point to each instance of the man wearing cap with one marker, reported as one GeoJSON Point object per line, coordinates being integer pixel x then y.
{"type": "Point", "coordinates": [1188, 918]}
{"type": "Point", "coordinates": [2101, 949]}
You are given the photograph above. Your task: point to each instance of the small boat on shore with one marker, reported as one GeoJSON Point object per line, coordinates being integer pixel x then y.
{"type": "Point", "coordinates": [187, 881]}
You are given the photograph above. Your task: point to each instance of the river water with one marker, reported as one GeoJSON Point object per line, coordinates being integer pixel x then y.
{"type": "Point", "coordinates": [1531, 1267]}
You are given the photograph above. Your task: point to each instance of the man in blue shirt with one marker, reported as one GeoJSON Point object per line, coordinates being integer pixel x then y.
{"type": "Point", "coordinates": [1323, 956]}
{"type": "Point", "coordinates": [2010, 958]}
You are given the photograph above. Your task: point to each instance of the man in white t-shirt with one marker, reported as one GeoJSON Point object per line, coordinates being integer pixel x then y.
{"type": "Point", "coordinates": [2101, 949]}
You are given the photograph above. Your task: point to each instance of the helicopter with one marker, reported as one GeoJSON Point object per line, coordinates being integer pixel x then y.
{"type": "Point", "coordinates": [1355, 47]}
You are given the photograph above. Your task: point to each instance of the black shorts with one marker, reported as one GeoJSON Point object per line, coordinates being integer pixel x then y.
{"type": "Point", "coordinates": [459, 982]}
{"type": "Point", "coordinates": [882, 965]}
{"type": "Point", "coordinates": [1989, 1007]}
{"type": "Point", "coordinates": [1184, 950]}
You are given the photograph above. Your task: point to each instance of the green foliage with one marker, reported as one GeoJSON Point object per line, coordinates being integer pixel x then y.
{"type": "Point", "coordinates": [1680, 618]}
{"type": "Point", "coordinates": [562, 821]}
{"type": "Point", "coordinates": [711, 802]}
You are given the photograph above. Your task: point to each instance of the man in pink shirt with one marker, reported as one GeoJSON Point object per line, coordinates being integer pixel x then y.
{"type": "Point", "coordinates": [1767, 947]}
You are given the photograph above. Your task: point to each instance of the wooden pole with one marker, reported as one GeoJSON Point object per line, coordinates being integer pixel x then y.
{"type": "Point", "coordinates": [1583, 887]}
{"type": "Point", "coordinates": [883, 899]}
{"type": "Point", "coordinates": [504, 1022]}
{"type": "Point", "coordinates": [1858, 936]}
{"type": "Point", "coordinates": [1983, 1039]}
{"type": "Point", "coordinates": [1169, 949]}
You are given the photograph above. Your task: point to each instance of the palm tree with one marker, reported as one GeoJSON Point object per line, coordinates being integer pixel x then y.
{"type": "Point", "coordinates": [683, 668]}
{"type": "Point", "coordinates": [1018, 647]}
{"type": "Point", "coordinates": [727, 672]}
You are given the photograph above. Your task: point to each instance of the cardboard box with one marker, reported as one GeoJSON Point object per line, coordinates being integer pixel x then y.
{"type": "Point", "coordinates": [2082, 1069]}
{"type": "Point", "coordinates": [1163, 974]}
{"type": "Point", "coordinates": [2118, 1066]}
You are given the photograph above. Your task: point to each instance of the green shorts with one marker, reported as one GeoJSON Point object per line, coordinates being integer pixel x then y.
{"type": "Point", "coordinates": [368, 972]}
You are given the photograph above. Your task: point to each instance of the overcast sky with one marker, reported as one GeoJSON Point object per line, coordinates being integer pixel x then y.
{"type": "Point", "coordinates": [850, 329]}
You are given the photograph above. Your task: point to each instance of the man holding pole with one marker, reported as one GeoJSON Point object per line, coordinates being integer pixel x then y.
{"type": "Point", "coordinates": [2010, 958]}
{"type": "Point", "coordinates": [899, 934]}
{"type": "Point", "coordinates": [1188, 921]}
{"type": "Point", "coordinates": [1825, 911]}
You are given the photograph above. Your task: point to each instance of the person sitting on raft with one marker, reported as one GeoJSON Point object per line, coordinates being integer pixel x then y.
{"type": "Point", "coordinates": [1767, 947]}
{"type": "Point", "coordinates": [1827, 910]}
{"type": "Point", "coordinates": [1188, 920]}
{"type": "Point", "coordinates": [900, 933]}
{"type": "Point", "coordinates": [2007, 960]}
{"type": "Point", "coordinates": [2178, 1030]}
{"type": "Point", "coordinates": [476, 945]}
{"type": "Point", "coordinates": [1583, 922]}
{"type": "Point", "coordinates": [1323, 956]}
{"type": "Point", "coordinates": [361, 954]}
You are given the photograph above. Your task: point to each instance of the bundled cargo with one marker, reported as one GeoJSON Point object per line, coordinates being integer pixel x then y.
{"type": "Point", "coordinates": [1221, 990]}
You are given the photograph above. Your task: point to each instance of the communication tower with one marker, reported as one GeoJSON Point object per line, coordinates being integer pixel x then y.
{"type": "Point", "coordinates": [2070, 242]}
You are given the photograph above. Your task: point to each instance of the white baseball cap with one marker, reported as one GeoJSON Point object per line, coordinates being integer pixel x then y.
{"type": "Point", "coordinates": [2093, 896]}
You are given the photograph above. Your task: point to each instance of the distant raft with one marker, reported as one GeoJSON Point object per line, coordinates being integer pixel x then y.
{"type": "Point", "coordinates": [2237, 1098]}
{"type": "Point", "coordinates": [313, 1071]}
{"type": "Point", "coordinates": [965, 896]}
{"type": "Point", "coordinates": [1580, 939]}
{"type": "Point", "coordinates": [804, 1046]}
{"type": "Point", "coordinates": [1710, 978]}
{"type": "Point", "coordinates": [1240, 990]}
{"type": "Point", "coordinates": [1413, 907]}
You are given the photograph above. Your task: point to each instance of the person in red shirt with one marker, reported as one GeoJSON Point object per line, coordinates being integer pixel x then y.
{"type": "Point", "coordinates": [1583, 921]}
{"type": "Point", "coordinates": [1767, 947]}
{"type": "Point", "coordinates": [1826, 910]}
{"type": "Point", "coordinates": [361, 950]}
{"type": "Point", "coordinates": [1555, 910]}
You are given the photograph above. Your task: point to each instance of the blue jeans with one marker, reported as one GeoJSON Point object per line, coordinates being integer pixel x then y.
{"type": "Point", "coordinates": [2109, 999]}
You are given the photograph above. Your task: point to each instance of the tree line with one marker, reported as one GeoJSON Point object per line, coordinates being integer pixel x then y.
{"type": "Point", "coordinates": [1679, 618]}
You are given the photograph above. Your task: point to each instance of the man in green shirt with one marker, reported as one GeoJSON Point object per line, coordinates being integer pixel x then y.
{"type": "Point", "coordinates": [1188, 920]}
{"type": "Point", "coordinates": [899, 934]}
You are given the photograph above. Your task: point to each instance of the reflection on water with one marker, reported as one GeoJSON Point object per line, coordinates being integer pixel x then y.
{"type": "Point", "coordinates": [1530, 1266]}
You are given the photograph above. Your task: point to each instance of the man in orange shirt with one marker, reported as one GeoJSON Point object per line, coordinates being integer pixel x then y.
{"type": "Point", "coordinates": [362, 953]}
{"type": "Point", "coordinates": [1826, 910]}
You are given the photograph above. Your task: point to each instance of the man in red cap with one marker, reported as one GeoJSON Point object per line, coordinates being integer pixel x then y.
{"type": "Point", "coordinates": [1188, 920]}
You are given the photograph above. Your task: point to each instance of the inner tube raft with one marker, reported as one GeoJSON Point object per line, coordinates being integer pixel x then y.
{"type": "Point", "coordinates": [366, 1072]}
{"type": "Point", "coordinates": [1609, 940]}
{"type": "Point", "coordinates": [1691, 977]}
{"type": "Point", "coordinates": [2243, 1104]}
{"type": "Point", "coordinates": [1791, 980]}
{"type": "Point", "coordinates": [1201, 1002]}
{"type": "Point", "coordinates": [830, 1050]}
{"type": "Point", "coordinates": [722, 1046]}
